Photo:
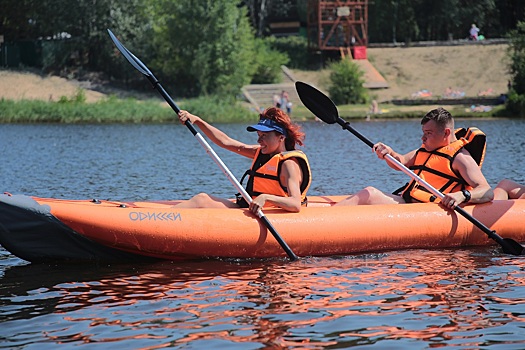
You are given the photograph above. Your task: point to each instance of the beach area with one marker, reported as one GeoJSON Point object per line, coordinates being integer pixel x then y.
{"type": "Point", "coordinates": [412, 73]}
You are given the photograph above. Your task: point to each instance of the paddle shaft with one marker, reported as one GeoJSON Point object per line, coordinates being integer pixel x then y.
{"type": "Point", "coordinates": [156, 84]}
{"type": "Point", "coordinates": [492, 234]}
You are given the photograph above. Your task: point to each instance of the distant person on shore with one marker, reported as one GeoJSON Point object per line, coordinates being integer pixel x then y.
{"type": "Point", "coordinates": [508, 189]}
{"type": "Point", "coordinates": [284, 100]}
{"type": "Point", "coordinates": [474, 32]}
{"type": "Point", "coordinates": [276, 101]}
{"type": "Point", "coordinates": [450, 93]}
{"type": "Point", "coordinates": [442, 161]}
{"type": "Point", "coordinates": [374, 107]}
{"type": "Point", "coordinates": [289, 106]}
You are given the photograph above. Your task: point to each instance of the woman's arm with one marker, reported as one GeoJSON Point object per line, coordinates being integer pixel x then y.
{"type": "Point", "coordinates": [218, 137]}
{"type": "Point", "coordinates": [292, 176]}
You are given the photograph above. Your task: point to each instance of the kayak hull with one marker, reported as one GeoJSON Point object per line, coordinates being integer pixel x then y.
{"type": "Point", "coordinates": [45, 229]}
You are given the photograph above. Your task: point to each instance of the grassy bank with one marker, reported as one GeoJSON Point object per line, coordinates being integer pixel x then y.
{"type": "Point", "coordinates": [114, 110]}
{"type": "Point", "coordinates": [214, 109]}
{"type": "Point", "coordinates": [389, 111]}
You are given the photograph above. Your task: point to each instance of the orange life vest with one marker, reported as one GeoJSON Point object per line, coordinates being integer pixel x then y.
{"type": "Point", "coordinates": [435, 167]}
{"type": "Point", "coordinates": [264, 174]}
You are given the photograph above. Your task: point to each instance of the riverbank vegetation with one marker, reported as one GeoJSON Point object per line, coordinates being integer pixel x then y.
{"type": "Point", "coordinates": [516, 102]}
{"type": "Point", "coordinates": [115, 110]}
{"type": "Point", "coordinates": [213, 108]}
{"type": "Point", "coordinates": [205, 51]}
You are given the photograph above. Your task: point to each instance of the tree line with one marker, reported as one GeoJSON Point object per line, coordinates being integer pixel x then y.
{"type": "Point", "coordinates": [429, 20]}
{"type": "Point", "coordinates": [203, 47]}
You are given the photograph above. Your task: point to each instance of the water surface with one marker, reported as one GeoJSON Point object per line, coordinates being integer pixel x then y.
{"type": "Point", "coordinates": [461, 298]}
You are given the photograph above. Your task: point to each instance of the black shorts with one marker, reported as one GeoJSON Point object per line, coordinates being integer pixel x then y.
{"type": "Point", "coordinates": [241, 202]}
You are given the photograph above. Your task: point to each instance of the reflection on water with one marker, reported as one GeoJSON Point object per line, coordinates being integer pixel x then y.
{"type": "Point", "coordinates": [468, 298]}
{"type": "Point", "coordinates": [410, 299]}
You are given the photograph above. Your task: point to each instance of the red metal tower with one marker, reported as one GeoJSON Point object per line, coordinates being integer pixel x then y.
{"type": "Point", "coordinates": [337, 24]}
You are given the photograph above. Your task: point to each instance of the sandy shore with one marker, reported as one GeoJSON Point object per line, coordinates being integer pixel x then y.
{"type": "Point", "coordinates": [469, 69]}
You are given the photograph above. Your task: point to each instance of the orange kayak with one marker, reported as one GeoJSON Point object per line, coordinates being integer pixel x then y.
{"type": "Point", "coordinates": [46, 229]}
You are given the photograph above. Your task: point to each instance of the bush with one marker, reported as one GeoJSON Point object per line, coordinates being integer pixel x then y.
{"type": "Point", "coordinates": [268, 62]}
{"type": "Point", "coordinates": [296, 47]}
{"type": "Point", "coordinates": [515, 105]}
{"type": "Point", "coordinates": [347, 81]}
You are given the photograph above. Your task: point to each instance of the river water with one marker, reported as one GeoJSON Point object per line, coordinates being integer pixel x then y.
{"type": "Point", "coordinates": [460, 298]}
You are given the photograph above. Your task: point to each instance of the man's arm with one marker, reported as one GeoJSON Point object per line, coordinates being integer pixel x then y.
{"type": "Point", "coordinates": [382, 150]}
{"type": "Point", "coordinates": [481, 191]}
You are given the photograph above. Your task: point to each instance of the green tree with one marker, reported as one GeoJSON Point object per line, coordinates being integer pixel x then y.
{"type": "Point", "coordinates": [347, 81]}
{"type": "Point", "coordinates": [268, 63]}
{"type": "Point", "coordinates": [74, 32]}
{"type": "Point", "coordinates": [425, 20]}
{"type": "Point", "coordinates": [516, 102]}
{"type": "Point", "coordinates": [260, 10]}
{"type": "Point", "coordinates": [204, 46]}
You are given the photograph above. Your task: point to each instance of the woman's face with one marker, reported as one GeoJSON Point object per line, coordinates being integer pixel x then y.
{"type": "Point", "coordinates": [270, 142]}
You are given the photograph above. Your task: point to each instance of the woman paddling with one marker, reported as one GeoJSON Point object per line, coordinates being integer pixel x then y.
{"type": "Point", "coordinates": [279, 176]}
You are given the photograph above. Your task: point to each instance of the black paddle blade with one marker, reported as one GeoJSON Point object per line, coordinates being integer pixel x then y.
{"type": "Point", "coordinates": [510, 246]}
{"type": "Point", "coordinates": [317, 102]}
{"type": "Point", "coordinates": [135, 62]}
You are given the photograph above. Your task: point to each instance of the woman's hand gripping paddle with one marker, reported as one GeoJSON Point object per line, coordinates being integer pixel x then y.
{"type": "Point", "coordinates": [141, 67]}
{"type": "Point", "coordinates": [325, 109]}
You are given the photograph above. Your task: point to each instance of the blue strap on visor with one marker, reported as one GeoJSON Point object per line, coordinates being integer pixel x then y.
{"type": "Point", "coordinates": [266, 125]}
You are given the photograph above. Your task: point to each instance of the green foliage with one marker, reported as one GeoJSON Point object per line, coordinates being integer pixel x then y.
{"type": "Point", "coordinates": [73, 110]}
{"type": "Point", "coordinates": [296, 47]}
{"type": "Point", "coordinates": [517, 57]}
{"type": "Point", "coordinates": [347, 81]}
{"type": "Point", "coordinates": [79, 97]}
{"type": "Point", "coordinates": [218, 109]}
{"type": "Point", "coordinates": [423, 20]}
{"type": "Point", "coordinates": [516, 102]}
{"type": "Point", "coordinates": [515, 105]}
{"type": "Point", "coordinates": [204, 46]}
{"type": "Point", "coordinates": [268, 63]}
{"type": "Point", "coordinates": [74, 34]}
{"type": "Point", "coordinates": [113, 110]}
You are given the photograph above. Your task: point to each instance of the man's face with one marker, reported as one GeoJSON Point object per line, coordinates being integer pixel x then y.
{"type": "Point", "coordinates": [433, 136]}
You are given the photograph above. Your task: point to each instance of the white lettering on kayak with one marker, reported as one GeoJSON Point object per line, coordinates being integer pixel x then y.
{"type": "Point", "coordinates": [161, 216]}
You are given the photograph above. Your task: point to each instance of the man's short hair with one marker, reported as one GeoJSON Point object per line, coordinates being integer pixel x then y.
{"type": "Point", "coordinates": [441, 116]}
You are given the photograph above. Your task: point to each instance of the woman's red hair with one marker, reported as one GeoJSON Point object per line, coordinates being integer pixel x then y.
{"type": "Point", "coordinates": [295, 135]}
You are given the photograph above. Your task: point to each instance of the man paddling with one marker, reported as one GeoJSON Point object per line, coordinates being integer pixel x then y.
{"type": "Point", "coordinates": [442, 161]}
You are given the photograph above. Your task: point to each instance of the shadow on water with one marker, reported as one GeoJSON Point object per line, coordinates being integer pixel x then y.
{"type": "Point", "coordinates": [119, 283]}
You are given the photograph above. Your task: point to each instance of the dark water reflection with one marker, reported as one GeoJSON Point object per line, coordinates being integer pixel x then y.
{"type": "Point", "coordinates": [430, 298]}
{"type": "Point", "coordinates": [468, 298]}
